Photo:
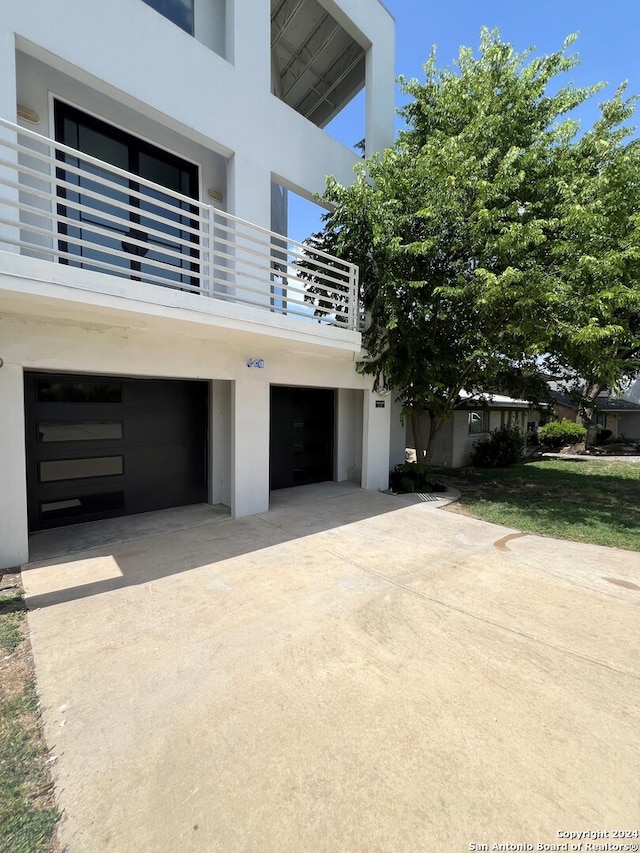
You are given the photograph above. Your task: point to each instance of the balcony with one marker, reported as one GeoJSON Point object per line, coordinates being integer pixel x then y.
{"type": "Point", "coordinates": [60, 205]}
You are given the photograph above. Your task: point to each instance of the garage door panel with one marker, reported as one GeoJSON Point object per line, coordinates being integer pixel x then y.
{"type": "Point", "coordinates": [73, 509]}
{"type": "Point", "coordinates": [301, 436]}
{"type": "Point", "coordinates": [91, 459]}
{"type": "Point", "coordinates": [169, 493]}
{"type": "Point", "coordinates": [159, 462]}
{"type": "Point", "coordinates": [139, 394]}
{"type": "Point", "coordinates": [156, 429]}
{"type": "Point", "coordinates": [70, 432]}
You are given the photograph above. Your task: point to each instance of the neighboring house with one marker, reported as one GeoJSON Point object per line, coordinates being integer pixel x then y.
{"type": "Point", "coordinates": [473, 419]}
{"type": "Point", "coordinates": [618, 414]}
{"type": "Point", "coordinates": [156, 345]}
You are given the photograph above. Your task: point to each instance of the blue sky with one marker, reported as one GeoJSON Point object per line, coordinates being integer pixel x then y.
{"type": "Point", "coordinates": [609, 31]}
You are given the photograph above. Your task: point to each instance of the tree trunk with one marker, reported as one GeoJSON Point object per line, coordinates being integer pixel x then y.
{"type": "Point", "coordinates": [416, 427]}
{"type": "Point", "coordinates": [586, 408]}
{"type": "Point", "coordinates": [434, 429]}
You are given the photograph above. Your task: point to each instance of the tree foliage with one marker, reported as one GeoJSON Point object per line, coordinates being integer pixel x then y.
{"type": "Point", "coordinates": [475, 233]}
{"type": "Point", "coordinates": [595, 343]}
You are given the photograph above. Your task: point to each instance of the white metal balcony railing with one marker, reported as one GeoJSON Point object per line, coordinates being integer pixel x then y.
{"type": "Point", "coordinates": [67, 207]}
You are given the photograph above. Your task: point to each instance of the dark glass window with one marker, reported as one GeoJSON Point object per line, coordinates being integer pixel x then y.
{"type": "Point", "coordinates": [79, 392]}
{"type": "Point", "coordinates": [178, 11]}
{"type": "Point", "coordinates": [81, 505]}
{"type": "Point", "coordinates": [53, 470]}
{"type": "Point", "coordinates": [102, 220]}
{"type": "Point", "coordinates": [79, 431]}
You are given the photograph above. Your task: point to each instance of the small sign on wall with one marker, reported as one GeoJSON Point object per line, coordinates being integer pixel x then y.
{"type": "Point", "coordinates": [380, 404]}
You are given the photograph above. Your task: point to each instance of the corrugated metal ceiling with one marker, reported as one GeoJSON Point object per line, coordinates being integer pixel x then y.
{"type": "Point", "coordinates": [317, 67]}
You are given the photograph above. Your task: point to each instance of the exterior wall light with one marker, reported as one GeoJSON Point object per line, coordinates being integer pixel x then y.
{"type": "Point", "coordinates": [215, 195]}
{"type": "Point", "coordinates": [27, 114]}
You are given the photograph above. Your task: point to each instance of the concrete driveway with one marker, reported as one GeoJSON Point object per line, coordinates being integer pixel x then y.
{"type": "Point", "coordinates": [356, 672]}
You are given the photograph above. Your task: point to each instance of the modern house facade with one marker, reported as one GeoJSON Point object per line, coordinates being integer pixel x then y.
{"type": "Point", "coordinates": [158, 343]}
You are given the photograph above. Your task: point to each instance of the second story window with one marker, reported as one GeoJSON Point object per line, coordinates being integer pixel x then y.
{"type": "Point", "coordinates": [178, 11]}
{"type": "Point", "coordinates": [110, 221]}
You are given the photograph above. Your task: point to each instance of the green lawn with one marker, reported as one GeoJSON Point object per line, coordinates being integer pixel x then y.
{"type": "Point", "coordinates": [27, 811]}
{"type": "Point", "coordinates": [592, 501]}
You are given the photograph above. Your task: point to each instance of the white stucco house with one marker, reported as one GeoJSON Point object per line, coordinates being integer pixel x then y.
{"type": "Point", "coordinates": [157, 348]}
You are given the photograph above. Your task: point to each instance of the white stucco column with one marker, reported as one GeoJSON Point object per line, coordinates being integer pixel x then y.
{"type": "Point", "coordinates": [249, 179]}
{"type": "Point", "coordinates": [252, 47]}
{"type": "Point", "coordinates": [379, 99]}
{"type": "Point", "coordinates": [249, 189]}
{"type": "Point", "coordinates": [249, 186]}
{"type": "Point", "coordinates": [376, 421]}
{"type": "Point", "coordinates": [14, 531]}
{"type": "Point", "coordinates": [250, 448]}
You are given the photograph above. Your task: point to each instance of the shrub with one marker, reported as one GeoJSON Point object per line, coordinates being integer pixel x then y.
{"type": "Point", "coordinates": [561, 433]}
{"type": "Point", "coordinates": [502, 448]}
{"type": "Point", "coordinates": [413, 477]}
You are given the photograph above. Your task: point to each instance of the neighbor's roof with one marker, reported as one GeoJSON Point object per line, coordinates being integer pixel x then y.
{"type": "Point", "coordinates": [496, 401]}
{"type": "Point", "coordinates": [604, 403]}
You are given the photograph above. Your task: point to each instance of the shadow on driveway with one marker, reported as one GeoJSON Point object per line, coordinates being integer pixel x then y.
{"type": "Point", "coordinates": [141, 549]}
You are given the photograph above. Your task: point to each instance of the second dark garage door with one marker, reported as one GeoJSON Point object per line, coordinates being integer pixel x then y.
{"type": "Point", "coordinates": [301, 438]}
{"type": "Point", "coordinates": [102, 446]}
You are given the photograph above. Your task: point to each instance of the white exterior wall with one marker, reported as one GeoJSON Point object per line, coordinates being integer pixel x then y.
{"type": "Point", "coordinates": [349, 414]}
{"type": "Point", "coordinates": [13, 491]}
{"type": "Point", "coordinates": [250, 447]}
{"type": "Point", "coordinates": [376, 416]}
{"type": "Point", "coordinates": [462, 442]}
{"type": "Point", "coordinates": [206, 99]}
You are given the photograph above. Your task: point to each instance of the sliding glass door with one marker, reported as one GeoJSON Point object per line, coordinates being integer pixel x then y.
{"type": "Point", "coordinates": [119, 225]}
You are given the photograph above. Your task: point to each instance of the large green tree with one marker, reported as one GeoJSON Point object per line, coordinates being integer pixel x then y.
{"type": "Point", "coordinates": [595, 311]}
{"type": "Point", "coordinates": [455, 229]}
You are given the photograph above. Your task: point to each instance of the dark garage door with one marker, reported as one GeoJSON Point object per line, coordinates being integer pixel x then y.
{"type": "Point", "coordinates": [301, 436]}
{"type": "Point", "coordinates": [102, 446]}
